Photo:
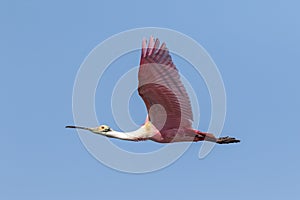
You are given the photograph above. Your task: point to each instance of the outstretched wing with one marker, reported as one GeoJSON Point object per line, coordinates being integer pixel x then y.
{"type": "Point", "coordinates": [161, 89]}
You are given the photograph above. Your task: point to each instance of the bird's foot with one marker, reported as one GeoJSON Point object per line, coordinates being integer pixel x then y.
{"type": "Point", "coordinates": [227, 140]}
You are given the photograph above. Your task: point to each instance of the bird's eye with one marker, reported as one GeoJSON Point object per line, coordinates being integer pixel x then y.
{"type": "Point", "coordinates": [102, 127]}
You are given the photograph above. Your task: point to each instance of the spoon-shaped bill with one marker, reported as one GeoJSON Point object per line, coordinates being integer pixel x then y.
{"type": "Point", "coordinates": [79, 127]}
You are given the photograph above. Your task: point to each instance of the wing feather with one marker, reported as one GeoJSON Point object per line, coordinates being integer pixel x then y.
{"type": "Point", "coordinates": [160, 87]}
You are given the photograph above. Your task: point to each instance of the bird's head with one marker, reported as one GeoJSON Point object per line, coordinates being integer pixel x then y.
{"type": "Point", "coordinates": [102, 130]}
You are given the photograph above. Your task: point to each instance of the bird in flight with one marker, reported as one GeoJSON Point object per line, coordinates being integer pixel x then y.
{"type": "Point", "coordinates": [170, 114]}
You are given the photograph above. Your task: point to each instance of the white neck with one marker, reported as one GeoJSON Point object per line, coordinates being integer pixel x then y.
{"type": "Point", "coordinates": [144, 132]}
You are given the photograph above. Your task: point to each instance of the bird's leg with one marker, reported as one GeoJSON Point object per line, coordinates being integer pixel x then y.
{"type": "Point", "coordinates": [210, 137]}
{"type": "Point", "coordinates": [226, 140]}
{"type": "Point", "coordinates": [206, 136]}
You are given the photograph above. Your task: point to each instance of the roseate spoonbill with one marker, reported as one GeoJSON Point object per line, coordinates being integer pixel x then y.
{"type": "Point", "coordinates": [170, 115]}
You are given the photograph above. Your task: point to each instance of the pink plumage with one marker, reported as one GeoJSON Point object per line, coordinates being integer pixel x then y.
{"type": "Point", "coordinates": [169, 109]}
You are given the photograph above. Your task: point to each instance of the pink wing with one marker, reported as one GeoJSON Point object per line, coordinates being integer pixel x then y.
{"type": "Point", "coordinates": [160, 87]}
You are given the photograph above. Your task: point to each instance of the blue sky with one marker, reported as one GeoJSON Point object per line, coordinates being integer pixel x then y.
{"type": "Point", "coordinates": [255, 46]}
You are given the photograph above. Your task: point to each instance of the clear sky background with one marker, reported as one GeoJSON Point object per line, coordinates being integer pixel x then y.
{"type": "Point", "coordinates": [255, 45]}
